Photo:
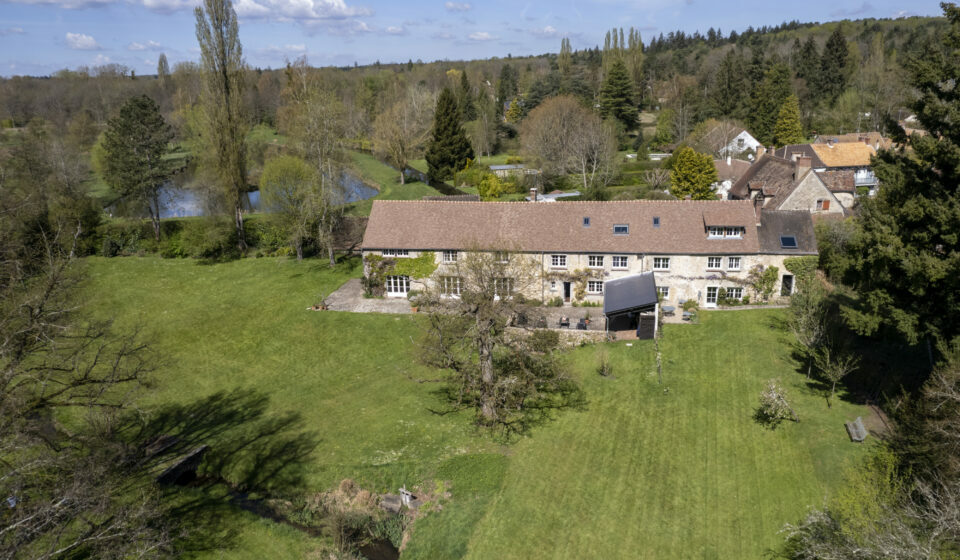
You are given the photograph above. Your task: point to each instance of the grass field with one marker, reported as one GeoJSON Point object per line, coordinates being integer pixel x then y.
{"type": "Point", "coordinates": [678, 470]}
{"type": "Point", "coordinates": [497, 159]}
{"type": "Point", "coordinates": [387, 180]}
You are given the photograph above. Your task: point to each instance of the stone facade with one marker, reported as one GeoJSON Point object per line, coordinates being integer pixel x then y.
{"type": "Point", "coordinates": [810, 195]}
{"type": "Point", "coordinates": [686, 277]}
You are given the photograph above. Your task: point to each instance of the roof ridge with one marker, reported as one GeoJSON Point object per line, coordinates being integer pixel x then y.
{"type": "Point", "coordinates": [638, 201]}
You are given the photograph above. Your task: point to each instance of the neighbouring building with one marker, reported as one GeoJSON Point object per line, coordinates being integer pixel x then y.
{"type": "Point", "coordinates": [729, 170]}
{"type": "Point", "coordinates": [846, 157]}
{"type": "Point", "coordinates": [775, 183]}
{"type": "Point", "coordinates": [695, 249]}
{"type": "Point", "coordinates": [873, 138]}
{"type": "Point", "coordinates": [516, 169]}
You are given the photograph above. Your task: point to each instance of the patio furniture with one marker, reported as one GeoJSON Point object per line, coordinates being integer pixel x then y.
{"type": "Point", "coordinates": [669, 310]}
{"type": "Point", "coordinates": [541, 322]}
{"type": "Point", "coordinates": [582, 325]}
{"type": "Point", "coordinates": [856, 430]}
{"type": "Point", "coordinates": [687, 315]}
{"type": "Point", "coordinates": [564, 322]}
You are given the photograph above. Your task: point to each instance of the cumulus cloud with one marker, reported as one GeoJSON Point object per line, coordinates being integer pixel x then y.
{"type": "Point", "coordinates": [457, 6]}
{"type": "Point", "coordinates": [481, 36]}
{"type": "Point", "coordinates": [12, 31]}
{"type": "Point", "coordinates": [300, 10]}
{"type": "Point", "coordinates": [548, 31]}
{"type": "Point", "coordinates": [101, 59]}
{"type": "Point", "coordinates": [395, 30]}
{"type": "Point", "coordinates": [81, 42]}
{"type": "Point", "coordinates": [148, 46]}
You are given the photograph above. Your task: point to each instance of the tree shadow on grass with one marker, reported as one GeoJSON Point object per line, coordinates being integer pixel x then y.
{"type": "Point", "coordinates": [225, 448]}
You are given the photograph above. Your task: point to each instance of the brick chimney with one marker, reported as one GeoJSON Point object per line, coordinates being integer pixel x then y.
{"type": "Point", "coordinates": [758, 206]}
{"type": "Point", "coordinates": [801, 165]}
{"type": "Point", "coordinates": [533, 194]}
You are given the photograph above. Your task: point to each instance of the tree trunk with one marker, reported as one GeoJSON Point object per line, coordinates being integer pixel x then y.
{"type": "Point", "coordinates": [238, 222]}
{"type": "Point", "coordinates": [488, 405]}
{"type": "Point", "coordinates": [403, 179]}
{"type": "Point", "coordinates": [299, 248]}
{"type": "Point", "coordinates": [331, 255]}
{"type": "Point", "coordinates": [155, 218]}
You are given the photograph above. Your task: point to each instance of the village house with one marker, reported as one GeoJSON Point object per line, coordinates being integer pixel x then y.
{"type": "Point", "coordinates": [695, 249]}
{"type": "Point", "coordinates": [872, 138]}
{"type": "Point", "coordinates": [838, 162]}
{"type": "Point", "coordinates": [775, 183]}
{"type": "Point", "coordinates": [729, 171]}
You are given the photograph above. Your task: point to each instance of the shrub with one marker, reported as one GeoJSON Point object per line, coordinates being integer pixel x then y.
{"type": "Point", "coordinates": [544, 340]}
{"type": "Point", "coordinates": [722, 296]}
{"type": "Point", "coordinates": [690, 305]}
{"type": "Point", "coordinates": [556, 302]}
{"type": "Point", "coordinates": [210, 239]}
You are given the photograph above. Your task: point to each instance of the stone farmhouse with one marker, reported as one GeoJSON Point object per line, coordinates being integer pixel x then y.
{"type": "Point", "coordinates": [693, 248]}
{"type": "Point", "coordinates": [776, 183]}
{"type": "Point", "coordinates": [838, 163]}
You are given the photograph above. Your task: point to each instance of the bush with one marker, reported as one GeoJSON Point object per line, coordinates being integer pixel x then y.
{"type": "Point", "coordinates": [555, 302]}
{"type": "Point", "coordinates": [544, 340]}
{"type": "Point", "coordinates": [210, 239]}
{"type": "Point", "coordinates": [690, 305]}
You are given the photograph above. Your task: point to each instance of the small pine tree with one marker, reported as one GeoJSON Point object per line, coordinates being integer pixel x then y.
{"type": "Point", "coordinates": [515, 112]}
{"type": "Point", "coordinates": [616, 96]}
{"type": "Point", "coordinates": [467, 107]}
{"type": "Point", "coordinates": [788, 129]}
{"type": "Point", "coordinates": [449, 149]}
{"type": "Point", "coordinates": [692, 175]}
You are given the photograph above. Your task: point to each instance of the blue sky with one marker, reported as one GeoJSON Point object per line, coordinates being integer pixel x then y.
{"type": "Point", "coordinates": [38, 37]}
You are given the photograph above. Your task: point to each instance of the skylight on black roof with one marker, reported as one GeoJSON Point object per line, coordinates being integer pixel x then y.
{"type": "Point", "coordinates": [788, 241]}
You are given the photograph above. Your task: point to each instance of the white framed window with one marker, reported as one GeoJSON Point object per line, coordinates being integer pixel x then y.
{"type": "Point", "coordinates": [714, 231]}
{"type": "Point", "coordinates": [558, 261]}
{"type": "Point", "coordinates": [621, 229]}
{"type": "Point", "coordinates": [663, 292]}
{"type": "Point", "coordinates": [395, 253]}
{"type": "Point", "coordinates": [712, 295]}
{"type": "Point", "coordinates": [735, 293]}
{"type": "Point", "coordinates": [398, 285]}
{"type": "Point", "coordinates": [733, 263]}
{"type": "Point", "coordinates": [620, 261]}
{"type": "Point", "coordinates": [450, 256]}
{"type": "Point", "coordinates": [450, 285]}
{"type": "Point", "coordinates": [721, 232]}
{"type": "Point", "coordinates": [661, 263]}
{"type": "Point", "coordinates": [713, 263]}
{"type": "Point", "coordinates": [734, 232]}
{"type": "Point", "coordinates": [502, 286]}
{"type": "Point", "coordinates": [594, 287]}
{"type": "Point", "coordinates": [501, 257]}
{"type": "Point", "coordinates": [595, 261]}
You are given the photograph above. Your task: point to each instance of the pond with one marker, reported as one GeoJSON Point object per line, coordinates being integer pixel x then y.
{"type": "Point", "coordinates": [178, 202]}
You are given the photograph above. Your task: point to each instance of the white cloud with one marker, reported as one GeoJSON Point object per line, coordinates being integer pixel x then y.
{"type": "Point", "coordinates": [69, 4]}
{"type": "Point", "coordinates": [394, 30]}
{"type": "Point", "coordinates": [12, 31]}
{"type": "Point", "coordinates": [481, 36]}
{"type": "Point", "coordinates": [299, 10]}
{"type": "Point", "coordinates": [148, 46]}
{"type": "Point", "coordinates": [457, 6]}
{"type": "Point", "coordinates": [166, 6]}
{"type": "Point", "coordinates": [81, 42]}
{"type": "Point", "coordinates": [277, 50]}
{"type": "Point", "coordinates": [548, 31]}
{"type": "Point", "coordinates": [101, 59]}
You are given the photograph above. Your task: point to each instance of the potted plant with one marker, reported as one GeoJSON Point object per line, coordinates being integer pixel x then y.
{"type": "Point", "coordinates": [413, 297]}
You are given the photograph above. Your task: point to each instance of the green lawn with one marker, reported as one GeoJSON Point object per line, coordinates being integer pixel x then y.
{"type": "Point", "coordinates": [387, 180]}
{"type": "Point", "coordinates": [641, 472]}
{"type": "Point", "coordinates": [497, 159]}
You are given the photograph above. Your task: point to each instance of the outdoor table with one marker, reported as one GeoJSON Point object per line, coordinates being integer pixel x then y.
{"type": "Point", "coordinates": [668, 309]}
{"type": "Point", "coordinates": [687, 315]}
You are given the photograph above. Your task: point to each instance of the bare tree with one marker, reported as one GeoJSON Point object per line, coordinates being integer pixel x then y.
{"type": "Point", "coordinates": [471, 306]}
{"type": "Point", "coordinates": [400, 132]}
{"type": "Point", "coordinates": [808, 318]}
{"type": "Point", "coordinates": [834, 365]}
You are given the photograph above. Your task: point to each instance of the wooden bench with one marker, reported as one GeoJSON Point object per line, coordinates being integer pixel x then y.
{"type": "Point", "coordinates": [856, 431]}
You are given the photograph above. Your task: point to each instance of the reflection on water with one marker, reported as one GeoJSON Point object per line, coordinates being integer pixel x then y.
{"type": "Point", "coordinates": [182, 203]}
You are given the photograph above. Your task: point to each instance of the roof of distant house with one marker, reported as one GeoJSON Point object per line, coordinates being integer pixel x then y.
{"type": "Point", "coordinates": [680, 227]}
{"type": "Point", "coordinates": [838, 180]}
{"type": "Point", "coordinates": [786, 223]}
{"type": "Point", "coordinates": [507, 167]}
{"type": "Point", "coordinates": [730, 171]}
{"type": "Point", "coordinates": [772, 174]}
{"type": "Point", "coordinates": [872, 138]}
{"type": "Point", "coordinates": [844, 154]}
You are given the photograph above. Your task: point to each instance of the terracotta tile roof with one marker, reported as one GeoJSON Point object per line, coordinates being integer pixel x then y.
{"type": "Point", "coordinates": [845, 154]}
{"type": "Point", "coordinates": [873, 138]}
{"type": "Point", "coordinates": [801, 150]}
{"type": "Point", "coordinates": [733, 171]}
{"type": "Point", "coordinates": [423, 225]}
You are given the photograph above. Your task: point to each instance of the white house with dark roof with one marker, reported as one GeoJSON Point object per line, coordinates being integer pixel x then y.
{"type": "Point", "coordinates": [694, 248]}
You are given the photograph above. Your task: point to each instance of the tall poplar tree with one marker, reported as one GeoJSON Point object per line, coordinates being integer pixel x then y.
{"type": "Point", "coordinates": [163, 70]}
{"type": "Point", "coordinates": [224, 121]}
{"type": "Point", "coordinates": [616, 96]}
{"type": "Point", "coordinates": [565, 59]}
{"type": "Point", "coordinates": [788, 129]}
{"type": "Point", "coordinates": [449, 149]}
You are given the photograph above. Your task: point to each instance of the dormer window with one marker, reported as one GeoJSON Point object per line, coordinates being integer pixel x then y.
{"type": "Point", "coordinates": [586, 221]}
{"type": "Point", "coordinates": [725, 232]}
{"type": "Point", "coordinates": [621, 229]}
{"type": "Point", "coordinates": [656, 221]}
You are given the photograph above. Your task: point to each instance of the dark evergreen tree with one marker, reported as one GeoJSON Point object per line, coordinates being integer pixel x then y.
{"type": "Point", "coordinates": [507, 88]}
{"type": "Point", "coordinates": [467, 109]}
{"type": "Point", "coordinates": [729, 87]}
{"type": "Point", "coordinates": [767, 99]}
{"type": "Point", "coordinates": [134, 144]}
{"type": "Point", "coordinates": [907, 269]}
{"type": "Point", "coordinates": [616, 96]}
{"type": "Point", "coordinates": [448, 149]}
{"type": "Point", "coordinates": [806, 62]}
{"type": "Point", "coordinates": [833, 67]}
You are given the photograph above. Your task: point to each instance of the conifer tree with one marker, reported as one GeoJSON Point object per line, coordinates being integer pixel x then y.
{"type": "Point", "coordinates": [908, 251]}
{"type": "Point", "coordinates": [788, 129]}
{"type": "Point", "coordinates": [134, 145]}
{"type": "Point", "coordinates": [833, 66]}
{"type": "Point", "coordinates": [729, 85]}
{"type": "Point", "coordinates": [616, 96]}
{"type": "Point", "coordinates": [692, 175]}
{"type": "Point", "coordinates": [467, 109]}
{"type": "Point", "coordinates": [449, 149]}
{"type": "Point", "coordinates": [507, 87]}
{"type": "Point", "coordinates": [806, 62]}
{"type": "Point", "coordinates": [768, 97]}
